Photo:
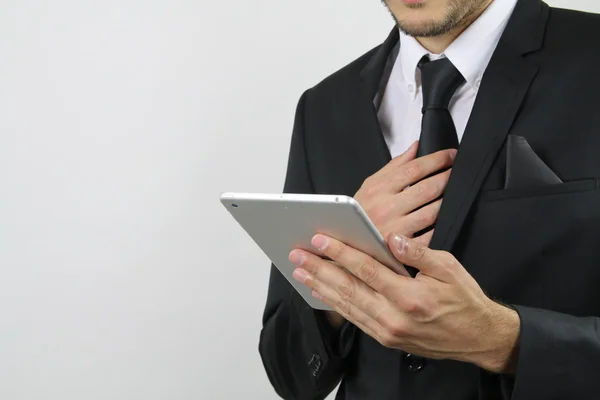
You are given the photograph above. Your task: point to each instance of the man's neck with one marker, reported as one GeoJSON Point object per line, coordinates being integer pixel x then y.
{"type": "Point", "coordinates": [439, 44]}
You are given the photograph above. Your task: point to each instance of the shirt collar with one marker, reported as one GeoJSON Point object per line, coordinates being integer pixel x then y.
{"type": "Point", "coordinates": [470, 52]}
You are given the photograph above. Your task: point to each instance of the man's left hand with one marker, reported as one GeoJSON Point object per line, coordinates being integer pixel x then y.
{"type": "Point", "coordinates": [442, 313]}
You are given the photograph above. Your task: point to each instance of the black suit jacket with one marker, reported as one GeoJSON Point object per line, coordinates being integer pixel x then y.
{"type": "Point", "coordinates": [536, 248]}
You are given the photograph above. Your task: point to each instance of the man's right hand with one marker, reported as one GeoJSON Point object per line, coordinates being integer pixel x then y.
{"type": "Point", "coordinates": [404, 197]}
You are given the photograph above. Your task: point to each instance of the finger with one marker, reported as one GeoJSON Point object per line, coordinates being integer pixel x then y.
{"type": "Point", "coordinates": [376, 319]}
{"type": "Point", "coordinates": [375, 275]}
{"type": "Point", "coordinates": [338, 285]}
{"type": "Point", "coordinates": [349, 312]}
{"type": "Point", "coordinates": [422, 193]}
{"type": "Point", "coordinates": [382, 328]}
{"type": "Point", "coordinates": [371, 328]}
{"type": "Point", "coordinates": [436, 264]}
{"type": "Point", "coordinates": [425, 239]}
{"type": "Point", "coordinates": [409, 155]}
{"type": "Point", "coordinates": [421, 219]}
{"type": "Point", "coordinates": [417, 170]}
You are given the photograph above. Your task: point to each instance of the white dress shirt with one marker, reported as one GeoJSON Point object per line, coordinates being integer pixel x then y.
{"type": "Point", "coordinates": [400, 109]}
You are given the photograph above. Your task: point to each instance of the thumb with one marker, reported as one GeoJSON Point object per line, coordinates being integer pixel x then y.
{"type": "Point", "coordinates": [437, 264]}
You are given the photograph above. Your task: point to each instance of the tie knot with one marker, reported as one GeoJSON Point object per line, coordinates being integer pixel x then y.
{"type": "Point", "coordinates": [440, 79]}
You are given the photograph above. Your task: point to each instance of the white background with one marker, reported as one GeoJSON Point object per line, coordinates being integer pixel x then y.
{"type": "Point", "coordinates": [121, 121]}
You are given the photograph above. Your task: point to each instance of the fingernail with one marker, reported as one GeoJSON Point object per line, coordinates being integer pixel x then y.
{"type": "Point", "coordinates": [400, 243]}
{"type": "Point", "coordinates": [317, 296]}
{"type": "Point", "coordinates": [300, 275]}
{"type": "Point", "coordinates": [297, 257]}
{"type": "Point", "coordinates": [320, 242]}
{"type": "Point", "coordinates": [453, 154]}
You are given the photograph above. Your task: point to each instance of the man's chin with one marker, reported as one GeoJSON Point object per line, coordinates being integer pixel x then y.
{"type": "Point", "coordinates": [422, 29]}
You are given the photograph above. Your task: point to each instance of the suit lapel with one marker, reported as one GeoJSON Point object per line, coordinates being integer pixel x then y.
{"type": "Point", "coordinates": [367, 147]}
{"type": "Point", "coordinates": [503, 89]}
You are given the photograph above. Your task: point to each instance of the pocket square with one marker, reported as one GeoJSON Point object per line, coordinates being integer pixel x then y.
{"type": "Point", "coordinates": [524, 168]}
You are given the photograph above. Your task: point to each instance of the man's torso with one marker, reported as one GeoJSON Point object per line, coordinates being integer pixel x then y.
{"type": "Point", "coordinates": [534, 246]}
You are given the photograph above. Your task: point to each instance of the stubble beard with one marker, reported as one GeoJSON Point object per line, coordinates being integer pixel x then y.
{"type": "Point", "coordinates": [456, 16]}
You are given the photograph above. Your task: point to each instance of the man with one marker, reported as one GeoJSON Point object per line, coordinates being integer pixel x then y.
{"type": "Point", "coordinates": [505, 301]}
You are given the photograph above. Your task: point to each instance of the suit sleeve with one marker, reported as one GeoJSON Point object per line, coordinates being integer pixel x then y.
{"type": "Point", "coordinates": [559, 357]}
{"type": "Point", "coordinates": [302, 354]}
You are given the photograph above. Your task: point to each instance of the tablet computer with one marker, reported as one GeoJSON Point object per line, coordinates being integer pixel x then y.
{"type": "Point", "coordinates": [279, 223]}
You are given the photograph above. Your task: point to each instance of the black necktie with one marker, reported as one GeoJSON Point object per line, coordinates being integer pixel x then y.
{"type": "Point", "coordinates": [439, 79]}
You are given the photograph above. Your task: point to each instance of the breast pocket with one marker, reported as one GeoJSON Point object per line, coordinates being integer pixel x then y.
{"type": "Point", "coordinates": [538, 246]}
{"type": "Point", "coordinates": [581, 185]}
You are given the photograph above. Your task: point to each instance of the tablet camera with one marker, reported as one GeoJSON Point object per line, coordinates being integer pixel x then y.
{"type": "Point", "coordinates": [234, 205]}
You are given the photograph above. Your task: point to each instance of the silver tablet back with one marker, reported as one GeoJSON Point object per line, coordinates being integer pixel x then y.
{"type": "Point", "coordinates": [280, 223]}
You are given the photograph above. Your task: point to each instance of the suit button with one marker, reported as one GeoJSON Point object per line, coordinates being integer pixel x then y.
{"type": "Point", "coordinates": [315, 364]}
{"type": "Point", "coordinates": [414, 363]}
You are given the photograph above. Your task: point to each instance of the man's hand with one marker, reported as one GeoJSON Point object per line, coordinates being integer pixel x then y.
{"type": "Point", "coordinates": [442, 313]}
{"type": "Point", "coordinates": [394, 197]}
